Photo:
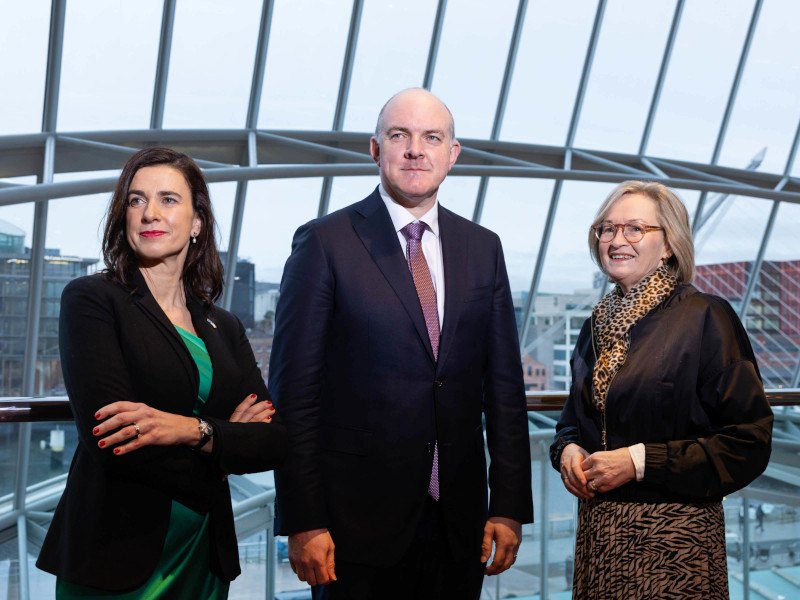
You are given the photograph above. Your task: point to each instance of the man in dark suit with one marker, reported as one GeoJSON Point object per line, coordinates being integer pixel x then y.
{"type": "Point", "coordinates": [395, 333]}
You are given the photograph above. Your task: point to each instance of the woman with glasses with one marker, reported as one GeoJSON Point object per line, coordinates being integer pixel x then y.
{"type": "Point", "coordinates": [666, 412]}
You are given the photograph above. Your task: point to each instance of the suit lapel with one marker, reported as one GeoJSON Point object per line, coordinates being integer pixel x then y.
{"type": "Point", "coordinates": [145, 301]}
{"type": "Point", "coordinates": [380, 239]}
{"type": "Point", "coordinates": [454, 257]}
{"type": "Point", "coordinates": [207, 329]}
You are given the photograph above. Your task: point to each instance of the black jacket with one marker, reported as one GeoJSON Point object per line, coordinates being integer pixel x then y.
{"type": "Point", "coordinates": [109, 527]}
{"type": "Point", "coordinates": [353, 375]}
{"type": "Point", "coordinates": [690, 390]}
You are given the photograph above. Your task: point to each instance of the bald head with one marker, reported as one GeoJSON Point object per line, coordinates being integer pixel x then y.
{"type": "Point", "coordinates": [414, 95]}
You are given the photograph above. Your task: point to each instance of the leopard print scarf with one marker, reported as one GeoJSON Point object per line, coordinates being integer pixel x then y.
{"type": "Point", "coordinates": [614, 317]}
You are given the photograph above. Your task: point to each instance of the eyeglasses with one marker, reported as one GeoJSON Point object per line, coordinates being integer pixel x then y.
{"type": "Point", "coordinates": [633, 232]}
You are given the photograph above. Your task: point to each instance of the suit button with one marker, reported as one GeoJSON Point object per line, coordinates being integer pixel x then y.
{"type": "Point", "coordinates": [439, 383]}
{"type": "Point", "coordinates": [429, 448]}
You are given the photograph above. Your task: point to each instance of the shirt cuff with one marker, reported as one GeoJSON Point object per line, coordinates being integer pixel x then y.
{"type": "Point", "coordinates": [637, 456]}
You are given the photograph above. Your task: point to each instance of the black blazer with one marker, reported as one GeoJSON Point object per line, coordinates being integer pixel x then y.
{"type": "Point", "coordinates": [690, 390]}
{"type": "Point", "coordinates": [109, 527]}
{"type": "Point", "coordinates": [353, 375]}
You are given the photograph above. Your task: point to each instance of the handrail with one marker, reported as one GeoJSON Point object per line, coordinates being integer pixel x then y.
{"type": "Point", "coordinates": [544, 401]}
{"type": "Point", "coordinates": [57, 408]}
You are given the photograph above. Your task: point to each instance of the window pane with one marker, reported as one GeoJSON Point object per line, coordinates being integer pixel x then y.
{"type": "Point", "coordinates": [733, 231]}
{"type": "Point", "coordinates": [304, 64]}
{"type": "Point", "coordinates": [16, 227]}
{"type": "Point", "coordinates": [73, 240]}
{"type": "Point", "coordinates": [223, 197]}
{"type": "Point", "coordinates": [623, 75]}
{"type": "Point", "coordinates": [698, 83]}
{"type": "Point", "coordinates": [347, 190]}
{"type": "Point", "coordinates": [766, 109]}
{"type": "Point", "coordinates": [116, 92]}
{"type": "Point", "coordinates": [548, 69]}
{"type": "Point", "coordinates": [211, 65]}
{"type": "Point", "coordinates": [478, 35]}
{"type": "Point", "coordinates": [275, 209]}
{"type": "Point", "coordinates": [458, 194]}
{"type": "Point", "coordinates": [382, 69]}
{"type": "Point", "coordinates": [773, 313]}
{"type": "Point", "coordinates": [24, 27]}
{"type": "Point", "coordinates": [516, 210]}
{"type": "Point", "coordinates": [568, 267]}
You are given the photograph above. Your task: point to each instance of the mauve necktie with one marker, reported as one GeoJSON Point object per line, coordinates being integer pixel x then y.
{"type": "Point", "coordinates": [427, 299]}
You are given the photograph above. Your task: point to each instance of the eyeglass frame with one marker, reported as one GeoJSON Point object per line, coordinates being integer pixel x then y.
{"type": "Point", "coordinates": [617, 226]}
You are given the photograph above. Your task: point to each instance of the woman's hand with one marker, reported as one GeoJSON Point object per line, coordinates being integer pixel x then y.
{"type": "Point", "coordinates": [135, 425]}
{"type": "Point", "coordinates": [575, 480]}
{"type": "Point", "coordinates": [609, 470]}
{"type": "Point", "coordinates": [250, 410]}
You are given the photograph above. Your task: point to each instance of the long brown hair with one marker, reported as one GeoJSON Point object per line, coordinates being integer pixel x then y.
{"type": "Point", "coordinates": [202, 271]}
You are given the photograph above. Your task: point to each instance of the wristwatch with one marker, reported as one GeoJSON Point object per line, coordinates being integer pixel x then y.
{"type": "Point", "coordinates": [206, 433]}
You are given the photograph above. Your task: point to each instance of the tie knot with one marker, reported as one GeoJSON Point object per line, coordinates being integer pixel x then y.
{"type": "Point", "coordinates": [414, 231]}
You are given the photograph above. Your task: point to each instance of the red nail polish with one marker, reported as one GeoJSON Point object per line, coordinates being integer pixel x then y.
{"type": "Point", "coordinates": [117, 450]}
{"type": "Point", "coordinates": [268, 402]}
{"type": "Point", "coordinates": [95, 430]}
{"type": "Point", "coordinates": [102, 443]}
{"type": "Point", "coordinates": [252, 396]}
{"type": "Point", "coordinates": [97, 415]}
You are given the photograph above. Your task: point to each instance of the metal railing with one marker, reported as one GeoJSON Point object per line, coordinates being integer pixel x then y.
{"type": "Point", "coordinates": [255, 512]}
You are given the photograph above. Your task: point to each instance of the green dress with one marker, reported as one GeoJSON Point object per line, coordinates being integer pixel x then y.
{"type": "Point", "coordinates": [183, 570]}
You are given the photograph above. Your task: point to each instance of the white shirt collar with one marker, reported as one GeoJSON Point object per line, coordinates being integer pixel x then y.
{"type": "Point", "coordinates": [401, 216]}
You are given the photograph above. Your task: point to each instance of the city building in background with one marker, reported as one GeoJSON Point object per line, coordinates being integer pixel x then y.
{"type": "Point", "coordinates": [15, 272]}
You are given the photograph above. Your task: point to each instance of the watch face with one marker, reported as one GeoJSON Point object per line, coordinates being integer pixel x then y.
{"type": "Point", "coordinates": [205, 428]}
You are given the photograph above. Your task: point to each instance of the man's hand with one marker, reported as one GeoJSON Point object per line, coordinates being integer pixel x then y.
{"type": "Point", "coordinates": [507, 536]}
{"type": "Point", "coordinates": [311, 556]}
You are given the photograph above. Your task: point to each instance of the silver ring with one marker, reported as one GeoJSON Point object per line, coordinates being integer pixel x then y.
{"type": "Point", "coordinates": [136, 427]}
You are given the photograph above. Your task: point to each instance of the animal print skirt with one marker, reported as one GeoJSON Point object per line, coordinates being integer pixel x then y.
{"type": "Point", "coordinates": [650, 551]}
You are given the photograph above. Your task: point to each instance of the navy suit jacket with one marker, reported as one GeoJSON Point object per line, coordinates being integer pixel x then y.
{"type": "Point", "coordinates": [353, 375]}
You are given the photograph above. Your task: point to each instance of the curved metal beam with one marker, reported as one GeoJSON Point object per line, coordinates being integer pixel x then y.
{"type": "Point", "coordinates": [586, 171]}
{"type": "Point", "coordinates": [162, 67]}
{"type": "Point", "coordinates": [433, 50]}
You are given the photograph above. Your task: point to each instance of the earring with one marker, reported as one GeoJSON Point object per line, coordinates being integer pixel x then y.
{"type": "Point", "coordinates": [194, 239]}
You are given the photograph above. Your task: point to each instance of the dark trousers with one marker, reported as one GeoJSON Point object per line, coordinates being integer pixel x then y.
{"type": "Point", "coordinates": [426, 572]}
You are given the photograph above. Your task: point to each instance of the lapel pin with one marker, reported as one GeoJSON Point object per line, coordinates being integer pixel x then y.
{"type": "Point", "coordinates": [210, 322]}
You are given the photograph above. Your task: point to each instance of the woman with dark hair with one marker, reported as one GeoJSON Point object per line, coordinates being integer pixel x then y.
{"type": "Point", "coordinates": [156, 376]}
{"type": "Point", "coordinates": [666, 412]}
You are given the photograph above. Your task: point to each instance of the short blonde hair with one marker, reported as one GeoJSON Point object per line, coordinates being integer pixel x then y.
{"type": "Point", "coordinates": [672, 216]}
